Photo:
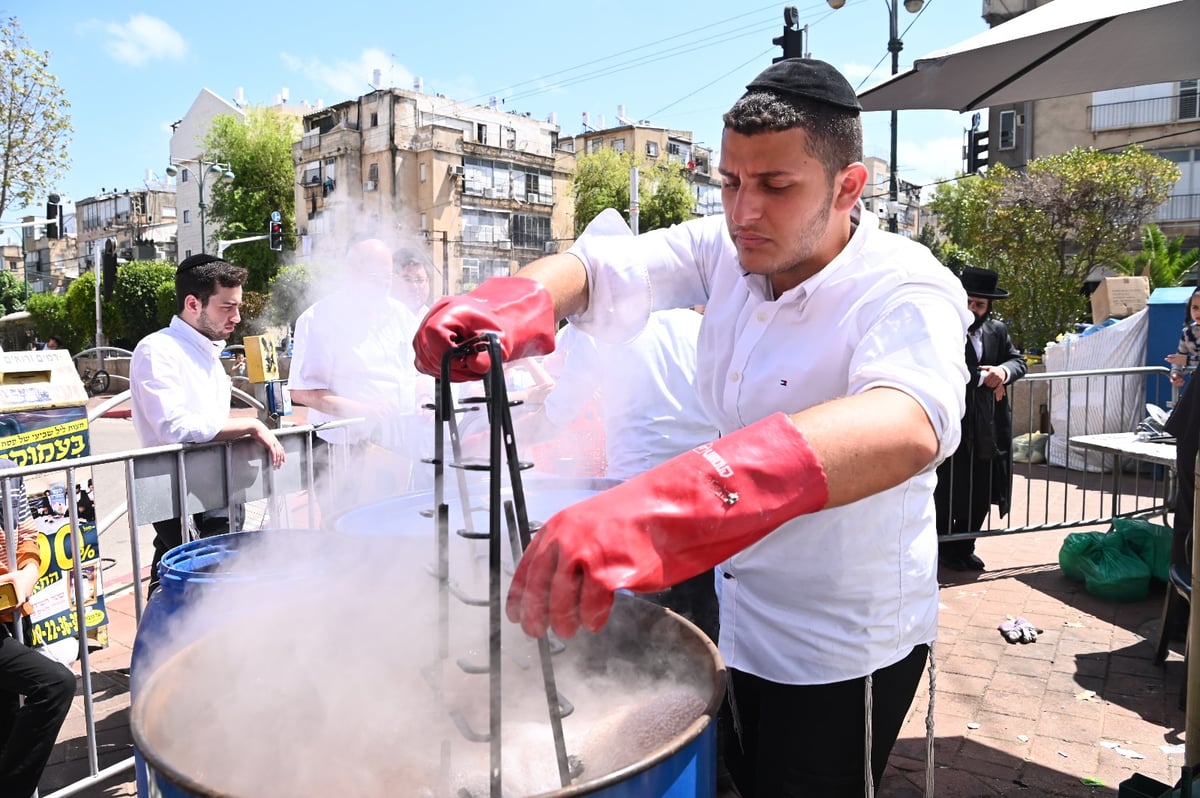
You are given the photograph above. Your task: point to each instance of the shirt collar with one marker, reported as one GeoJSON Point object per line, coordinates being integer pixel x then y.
{"type": "Point", "coordinates": [192, 337]}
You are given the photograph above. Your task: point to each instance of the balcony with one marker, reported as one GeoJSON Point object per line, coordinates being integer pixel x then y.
{"type": "Point", "coordinates": [1179, 208]}
{"type": "Point", "coordinates": [1143, 113]}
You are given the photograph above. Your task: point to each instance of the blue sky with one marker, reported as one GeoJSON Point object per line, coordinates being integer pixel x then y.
{"type": "Point", "coordinates": [131, 69]}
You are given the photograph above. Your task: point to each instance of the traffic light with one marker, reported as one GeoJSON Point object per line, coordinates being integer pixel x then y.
{"type": "Point", "coordinates": [792, 40]}
{"type": "Point", "coordinates": [108, 270]}
{"type": "Point", "coordinates": [53, 217]}
{"type": "Point", "coordinates": [276, 237]}
{"type": "Point", "coordinates": [977, 150]}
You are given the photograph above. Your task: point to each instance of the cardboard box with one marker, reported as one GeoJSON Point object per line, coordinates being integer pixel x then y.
{"type": "Point", "coordinates": [1118, 297]}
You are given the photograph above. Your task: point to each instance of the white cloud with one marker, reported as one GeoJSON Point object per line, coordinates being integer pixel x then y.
{"type": "Point", "coordinates": [139, 40]}
{"type": "Point", "coordinates": [351, 78]}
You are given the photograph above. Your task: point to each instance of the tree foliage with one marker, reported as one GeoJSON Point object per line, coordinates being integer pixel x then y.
{"type": "Point", "coordinates": [259, 151]}
{"type": "Point", "coordinates": [1044, 230]}
{"type": "Point", "coordinates": [79, 313]}
{"type": "Point", "coordinates": [135, 299]}
{"type": "Point", "coordinates": [601, 181]}
{"type": "Point", "coordinates": [35, 122]}
{"type": "Point", "coordinates": [12, 293]}
{"type": "Point", "coordinates": [49, 315]}
{"type": "Point", "coordinates": [289, 294]}
{"type": "Point", "coordinates": [1163, 261]}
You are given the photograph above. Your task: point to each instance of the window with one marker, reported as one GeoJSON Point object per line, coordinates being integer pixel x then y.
{"type": "Point", "coordinates": [188, 253]}
{"type": "Point", "coordinates": [187, 216]}
{"type": "Point", "coordinates": [476, 270]}
{"type": "Point", "coordinates": [619, 145]}
{"type": "Point", "coordinates": [1189, 92]}
{"type": "Point", "coordinates": [183, 175]}
{"type": "Point", "coordinates": [374, 119]}
{"type": "Point", "coordinates": [373, 173]}
{"type": "Point", "coordinates": [424, 222]}
{"type": "Point", "coordinates": [594, 145]}
{"type": "Point", "coordinates": [652, 149]}
{"type": "Point", "coordinates": [421, 173]}
{"type": "Point", "coordinates": [312, 173]}
{"type": "Point", "coordinates": [1007, 140]}
{"type": "Point", "coordinates": [529, 231]}
{"type": "Point", "coordinates": [481, 133]}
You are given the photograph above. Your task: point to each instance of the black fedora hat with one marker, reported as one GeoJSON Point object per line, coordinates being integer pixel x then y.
{"type": "Point", "coordinates": [981, 283]}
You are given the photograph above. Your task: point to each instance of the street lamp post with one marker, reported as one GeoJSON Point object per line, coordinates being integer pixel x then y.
{"type": "Point", "coordinates": [894, 47]}
{"type": "Point", "coordinates": [207, 168]}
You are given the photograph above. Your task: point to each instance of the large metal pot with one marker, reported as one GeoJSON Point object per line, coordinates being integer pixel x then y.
{"type": "Point", "coordinates": [395, 735]}
{"type": "Point", "coordinates": [188, 754]}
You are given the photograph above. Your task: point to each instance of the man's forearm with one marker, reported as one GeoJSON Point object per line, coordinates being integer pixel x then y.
{"type": "Point", "coordinates": [869, 442]}
{"type": "Point", "coordinates": [565, 277]}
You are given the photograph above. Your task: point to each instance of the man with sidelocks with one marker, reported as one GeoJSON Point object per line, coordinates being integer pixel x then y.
{"type": "Point", "coordinates": [180, 392]}
{"type": "Point", "coordinates": [831, 361]}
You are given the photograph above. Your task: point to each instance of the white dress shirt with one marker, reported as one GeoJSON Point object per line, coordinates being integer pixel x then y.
{"type": "Point", "coordinates": [840, 593]}
{"type": "Point", "coordinates": [180, 391]}
{"type": "Point", "coordinates": [358, 347]}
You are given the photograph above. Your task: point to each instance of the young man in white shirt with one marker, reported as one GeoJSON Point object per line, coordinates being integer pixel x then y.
{"type": "Point", "coordinates": [180, 390]}
{"type": "Point", "coordinates": [831, 361]}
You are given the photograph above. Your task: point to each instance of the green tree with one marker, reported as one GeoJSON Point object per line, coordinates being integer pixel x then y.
{"type": "Point", "coordinates": [601, 181]}
{"type": "Point", "coordinates": [259, 151]}
{"type": "Point", "coordinates": [671, 199]}
{"type": "Point", "coordinates": [12, 293]}
{"type": "Point", "coordinates": [135, 299]}
{"type": "Point", "coordinates": [79, 312]}
{"type": "Point", "coordinates": [49, 314]}
{"type": "Point", "coordinates": [1044, 230]}
{"type": "Point", "coordinates": [35, 124]}
{"type": "Point", "coordinates": [1163, 261]}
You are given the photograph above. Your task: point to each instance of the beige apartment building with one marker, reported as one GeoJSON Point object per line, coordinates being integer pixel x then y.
{"type": "Point", "coordinates": [1163, 118]}
{"type": "Point", "coordinates": [481, 190]}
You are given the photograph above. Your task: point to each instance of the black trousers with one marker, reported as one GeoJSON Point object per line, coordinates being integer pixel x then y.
{"type": "Point", "coordinates": [169, 534]}
{"type": "Point", "coordinates": [962, 500]}
{"type": "Point", "coordinates": [28, 731]}
{"type": "Point", "coordinates": [808, 741]}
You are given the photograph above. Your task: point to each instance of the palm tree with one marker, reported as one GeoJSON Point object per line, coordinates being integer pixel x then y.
{"type": "Point", "coordinates": [1163, 261]}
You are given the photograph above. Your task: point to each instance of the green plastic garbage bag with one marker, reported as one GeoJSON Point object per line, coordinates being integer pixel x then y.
{"type": "Point", "coordinates": [1150, 542]}
{"type": "Point", "coordinates": [1114, 573]}
{"type": "Point", "coordinates": [1077, 549]}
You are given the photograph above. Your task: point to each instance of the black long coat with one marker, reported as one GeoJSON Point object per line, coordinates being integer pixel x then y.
{"type": "Point", "coordinates": [987, 423]}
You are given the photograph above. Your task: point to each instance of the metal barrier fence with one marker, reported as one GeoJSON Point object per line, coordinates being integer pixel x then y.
{"type": "Point", "coordinates": [1046, 495]}
{"type": "Point", "coordinates": [1061, 484]}
{"type": "Point", "coordinates": [157, 488]}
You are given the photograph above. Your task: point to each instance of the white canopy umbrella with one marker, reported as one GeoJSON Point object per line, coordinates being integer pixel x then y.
{"type": "Point", "coordinates": [1064, 47]}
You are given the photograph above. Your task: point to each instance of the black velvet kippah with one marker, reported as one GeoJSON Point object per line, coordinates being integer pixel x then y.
{"type": "Point", "coordinates": [198, 260]}
{"type": "Point", "coordinates": [807, 79]}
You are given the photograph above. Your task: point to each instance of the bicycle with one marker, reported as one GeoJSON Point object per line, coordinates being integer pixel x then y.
{"type": "Point", "coordinates": [94, 382]}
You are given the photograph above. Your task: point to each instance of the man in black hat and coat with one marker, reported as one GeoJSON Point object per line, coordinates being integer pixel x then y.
{"type": "Point", "coordinates": [980, 472]}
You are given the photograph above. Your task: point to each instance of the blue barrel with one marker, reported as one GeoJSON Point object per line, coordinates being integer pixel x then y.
{"type": "Point", "coordinates": [186, 573]}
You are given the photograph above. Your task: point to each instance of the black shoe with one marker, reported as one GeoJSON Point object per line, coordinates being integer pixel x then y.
{"type": "Point", "coordinates": [968, 562]}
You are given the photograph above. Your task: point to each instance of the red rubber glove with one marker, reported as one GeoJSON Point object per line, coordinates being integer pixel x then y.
{"type": "Point", "coordinates": [520, 310]}
{"type": "Point", "coordinates": [676, 520]}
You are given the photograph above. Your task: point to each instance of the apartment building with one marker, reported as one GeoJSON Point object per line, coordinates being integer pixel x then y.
{"type": "Point", "coordinates": [50, 264]}
{"type": "Point", "coordinates": [1163, 118]}
{"type": "Point", "coordinates": [484, 191]}
{"type": "Point", "coordinates": [876, 198]}
{"type": "Point", "coordinates": [137, 224]}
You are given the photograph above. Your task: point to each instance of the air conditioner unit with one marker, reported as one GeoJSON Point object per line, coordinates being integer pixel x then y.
{"type": "Point", "coordinates": [491, 193]}
{"type": "Point", "coordinates": [455, 171]}
{"type": "Point", "coordinates": [506, 244]}
{"type": "Point", "coordinates": [368, 185]}
{"type": "Point", "coordinates": [551, 247]}
{"type": "Point", "coordinates": [1020, 120]}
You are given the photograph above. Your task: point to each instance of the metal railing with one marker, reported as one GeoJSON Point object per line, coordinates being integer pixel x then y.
{"type": "Point", "coordinates": [1080, 491]}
